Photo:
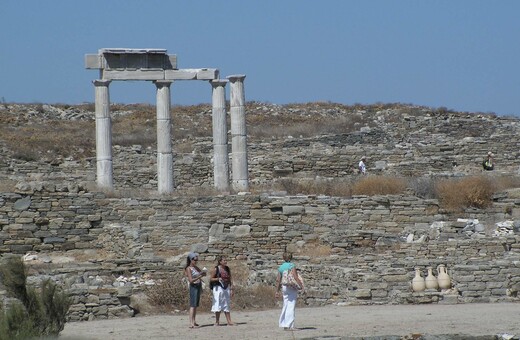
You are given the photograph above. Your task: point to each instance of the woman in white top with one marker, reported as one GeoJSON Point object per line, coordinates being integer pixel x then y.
{"type": "Point", "coordinates": [221, 284]}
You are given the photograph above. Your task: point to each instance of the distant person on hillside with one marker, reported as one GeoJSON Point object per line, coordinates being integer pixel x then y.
{"type": "Point", "coordinates": [488, 163]}
{"type": "Point", "coordinates": [362, 168]}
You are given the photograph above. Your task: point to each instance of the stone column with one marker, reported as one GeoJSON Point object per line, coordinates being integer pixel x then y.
{"type": "Point", "coordinates": [238, 133]}
{"type": "Point", "coordinates": [164, 138]}
{"type": "Point", "coordinates": [103, 135]}
{"type": "Point", "coordinates": [220, 140]}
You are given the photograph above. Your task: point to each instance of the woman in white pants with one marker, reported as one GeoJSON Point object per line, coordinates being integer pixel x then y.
{"type": "Point", "coordinates": [289, 293]}
{"type": "Point", "coordinates": [222, 290]}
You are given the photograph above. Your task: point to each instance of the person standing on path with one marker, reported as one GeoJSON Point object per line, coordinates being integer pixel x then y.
{"type": "Point", "coordinates": [362, 168]}
{"type": "Point", "coordinates": [221, 287]}
{"type": "Point", "coordinates": [290, 294]}
{"type": "Point", "coordinates": [194, 275]}
{"type": "Point", "coordinates": [488, 163]}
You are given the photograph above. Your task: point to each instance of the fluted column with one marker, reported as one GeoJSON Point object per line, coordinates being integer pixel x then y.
{"type": "Point", "coordinates": [164, 138]}
{"type": "Point", "coordinates": [103, 135]}
{"type": "Point", "coordinates": [220, 140]}
{"type": "Point", "coordinates": [238, 133]}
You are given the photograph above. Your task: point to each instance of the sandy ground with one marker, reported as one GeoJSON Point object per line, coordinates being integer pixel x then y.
{"type": "Point", "coordinates": [325, 322]}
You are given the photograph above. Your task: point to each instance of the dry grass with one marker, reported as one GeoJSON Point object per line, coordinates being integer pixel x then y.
{"type": "Point", "coordinates": [506, 182]}
{"type": "Point", "coordinates": [379, 185]}
{"type": "Point", "coordinates": [37, 133]}
{"type": "Point", "coordinates": [172, 292]}
{"type": "Point", "coordinates": [43, 140]}
{"type": "Point", "coordinates": [334, 187]}
{"type": "Point", "coordinates": [457, 194]}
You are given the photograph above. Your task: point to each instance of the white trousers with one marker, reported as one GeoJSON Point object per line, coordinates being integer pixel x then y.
{"type": "Point", "coordinates": [221, 299]}
{"type": "Point", "coordinates": [289, 304]}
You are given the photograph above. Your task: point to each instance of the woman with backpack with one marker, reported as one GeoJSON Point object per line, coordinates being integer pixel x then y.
{"type": "Point", "coordinates": [221, 286]}
{"type": "Point", "coordinates": [287, 272]}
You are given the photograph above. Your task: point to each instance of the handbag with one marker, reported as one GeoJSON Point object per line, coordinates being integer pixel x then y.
{"type": "Point", "coordinates": [289, 280]}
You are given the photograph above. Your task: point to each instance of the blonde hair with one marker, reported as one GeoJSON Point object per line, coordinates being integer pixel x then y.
{"type": "Point", "coordinates": [287, 257]}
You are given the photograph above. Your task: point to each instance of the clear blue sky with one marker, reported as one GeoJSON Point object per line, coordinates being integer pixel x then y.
{"type": "Point", "coordinates": [459, 54]}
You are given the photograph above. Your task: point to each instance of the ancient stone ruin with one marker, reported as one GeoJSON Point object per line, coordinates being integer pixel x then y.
{"type": "Point", "coordinates": [161, 68]}
{"type": "Point", "coordinates": [107, 249]}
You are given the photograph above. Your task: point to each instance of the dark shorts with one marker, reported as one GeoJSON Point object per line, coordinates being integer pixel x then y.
{"type": "Point", "coordinates": [195, 291]}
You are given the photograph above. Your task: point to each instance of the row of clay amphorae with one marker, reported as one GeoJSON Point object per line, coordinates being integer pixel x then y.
{"type": "Point", "coordinates": [442, 280]}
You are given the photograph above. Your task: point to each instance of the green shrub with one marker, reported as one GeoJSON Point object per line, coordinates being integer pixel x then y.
{"type": "Point", "coordinates": [15, 324]}
{"type": "Point", "coordinates": [40, 312]}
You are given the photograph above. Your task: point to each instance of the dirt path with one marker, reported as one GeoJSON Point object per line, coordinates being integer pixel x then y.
{"type": "Point", "coordinates": [328, 322]}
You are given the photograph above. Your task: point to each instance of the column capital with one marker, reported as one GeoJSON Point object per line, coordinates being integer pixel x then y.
{"type": "Point", "coordinates": [219, 82]}
{"type": "Point", "coordinates": [101, 82]}
{"type": "Point", "coordinates": [236, 77]}
{"type": "Point", "coordinates": [162, 83]}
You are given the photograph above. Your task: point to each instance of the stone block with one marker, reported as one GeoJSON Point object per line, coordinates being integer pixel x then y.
{"type": "Point", "coordinates": [361, 293]}
{"type": "Point", "coordinates": [240, 230]}
{"type": "Point", "coordinates": [272, 229]}
{"type": "Point", "coordinates": [293, 209]}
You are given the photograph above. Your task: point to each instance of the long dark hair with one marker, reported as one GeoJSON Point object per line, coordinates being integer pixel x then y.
{"type": "Point", "coordinates": [220, 258]}
{"type": "Point", "coordinates": [188, 261]}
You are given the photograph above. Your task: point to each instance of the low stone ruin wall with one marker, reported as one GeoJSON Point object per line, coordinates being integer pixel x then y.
{"type": "Point", "coordinates": [362, 250]}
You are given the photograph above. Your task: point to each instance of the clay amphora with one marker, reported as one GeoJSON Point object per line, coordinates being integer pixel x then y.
{"type": "Point", "coordinates": [430, 280]}
{"type": "Point", "coordinates": [443, 278]}
{"type": "Point", "coordinates": [418, 284]}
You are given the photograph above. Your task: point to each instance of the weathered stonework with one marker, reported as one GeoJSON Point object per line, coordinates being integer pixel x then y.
{"type": "Point", "coordinates": [358, 250]}
{"type": "Point", "coordinates": [351, 251]}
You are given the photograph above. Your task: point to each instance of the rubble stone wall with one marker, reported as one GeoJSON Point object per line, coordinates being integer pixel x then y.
{"type": "Point", "coordinates": [358, 250]}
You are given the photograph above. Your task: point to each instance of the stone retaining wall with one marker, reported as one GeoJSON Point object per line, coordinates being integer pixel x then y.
{"type": "Point", "coordinates": [358, 250]}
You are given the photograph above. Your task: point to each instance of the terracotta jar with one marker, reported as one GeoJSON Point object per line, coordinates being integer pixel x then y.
{"type": "Point", "coordinates": [430, 280]}
{"type": "Point", "coordinates": [443, 278]}
{"type": "Point", "coordinates": [418, 284]}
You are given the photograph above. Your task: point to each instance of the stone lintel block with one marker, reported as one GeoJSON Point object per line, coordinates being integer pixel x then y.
{"type": "Point", "coordinates": [192, 74]}
{"type": "Point", "coordinates": [180, 74]}
{"type": "Point", "coordinates": [141, 74]}
{"type": "Point", "coordinates": [173, 60]}
{"type": "Point", "coordinates": [93, 61]}
{"type": "Point", "coordinates": [208, 74]}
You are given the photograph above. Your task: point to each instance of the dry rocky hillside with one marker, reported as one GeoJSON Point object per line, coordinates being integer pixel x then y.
{"type": "Point", "coordinates": [310, 140]}
{"type": "Point", "coordinates": [108, 248]}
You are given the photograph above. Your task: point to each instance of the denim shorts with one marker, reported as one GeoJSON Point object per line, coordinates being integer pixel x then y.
{"type": "Point", "coordinates": [195, 291]}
